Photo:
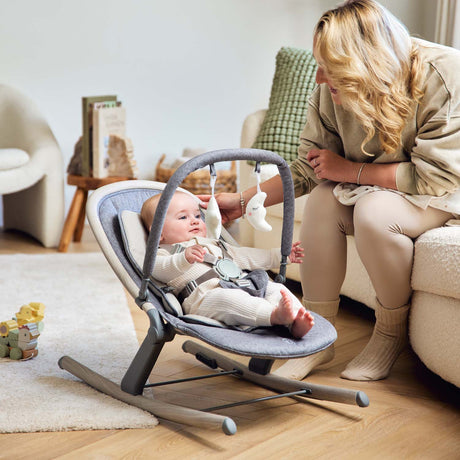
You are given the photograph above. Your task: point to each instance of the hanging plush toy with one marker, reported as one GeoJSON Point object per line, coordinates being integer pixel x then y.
{"type": "Point", "coordinates": [213, 218]}
{"type": "Point", "coordinates": [255, 210]}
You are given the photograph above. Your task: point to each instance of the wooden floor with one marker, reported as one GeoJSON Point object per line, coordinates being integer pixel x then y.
{"type": "Point", "coordinates": [412, 415]}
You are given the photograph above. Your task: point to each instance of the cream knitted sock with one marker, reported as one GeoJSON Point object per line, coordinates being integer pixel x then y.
{"type": "Point", "coordinates": [299, 368]}
{"type": "Point", "coordinates": [388, 340]}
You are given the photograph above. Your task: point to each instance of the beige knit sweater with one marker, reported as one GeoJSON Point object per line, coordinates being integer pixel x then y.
{"type": "Point", "coordinates": [175, 271]}
{"type": "Point", "coordinates": [430, 153]}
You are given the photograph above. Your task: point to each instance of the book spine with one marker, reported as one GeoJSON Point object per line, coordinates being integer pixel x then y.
{"type": "Point", "coordinates": [87, 119]}
{"type": "Point", "coordinates": [107, 120]}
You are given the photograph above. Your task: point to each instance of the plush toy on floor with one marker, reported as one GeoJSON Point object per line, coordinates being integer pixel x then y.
{"type": "Point", "coordinates": [19, 336]}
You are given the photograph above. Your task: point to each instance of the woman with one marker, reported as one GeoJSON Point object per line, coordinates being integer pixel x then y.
{"type": "Point", "coordinates": [380, 158]}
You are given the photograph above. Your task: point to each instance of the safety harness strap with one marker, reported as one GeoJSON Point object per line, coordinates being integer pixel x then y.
{"type": "Point", "coordinates": [222, 268]}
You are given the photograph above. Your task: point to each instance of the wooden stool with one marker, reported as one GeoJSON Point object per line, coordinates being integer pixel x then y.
{"type": "Point", "coordinates": [75, 220]}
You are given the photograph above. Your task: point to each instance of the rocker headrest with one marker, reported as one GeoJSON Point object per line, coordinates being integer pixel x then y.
{"type": "Point", "coordinates": [134, 238]}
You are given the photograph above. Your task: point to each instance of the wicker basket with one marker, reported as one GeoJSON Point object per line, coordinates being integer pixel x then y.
{"type": "Point", "coordinates": [198, 182]}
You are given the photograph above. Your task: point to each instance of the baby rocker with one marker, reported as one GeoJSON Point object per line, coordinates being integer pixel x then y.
{"type": "Point", "coordinates": [113, 213]}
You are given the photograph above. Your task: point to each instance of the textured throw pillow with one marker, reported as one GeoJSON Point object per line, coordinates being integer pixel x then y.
{"type": "Point", "coordinates": [293, 82]}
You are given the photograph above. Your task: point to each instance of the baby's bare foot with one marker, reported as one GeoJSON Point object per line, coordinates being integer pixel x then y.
{"type": "Point", "coordinates": [284, 313]}
{"type": "Point", "coordinates": [303, 322]}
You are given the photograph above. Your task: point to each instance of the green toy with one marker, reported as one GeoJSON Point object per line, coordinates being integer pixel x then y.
{"type": "Point", "coordinates": [19, 336]}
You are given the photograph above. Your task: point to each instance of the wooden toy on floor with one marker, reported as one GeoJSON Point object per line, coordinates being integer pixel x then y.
{"type": "Point", "coordinates": [19, 336]}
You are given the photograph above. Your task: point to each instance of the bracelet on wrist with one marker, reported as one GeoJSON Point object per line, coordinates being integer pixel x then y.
{"type": "Point", "coordinates": [359, 173]}
{"type": "Point", "coordinates": [243, 204]}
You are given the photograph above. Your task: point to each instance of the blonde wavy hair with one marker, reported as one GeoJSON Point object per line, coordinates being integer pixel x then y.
{"type": "Point", "coordinates": [370, 58]}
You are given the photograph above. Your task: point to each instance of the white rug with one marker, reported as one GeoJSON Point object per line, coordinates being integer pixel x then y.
{"type": "Point", "coordinates": [86, 318]}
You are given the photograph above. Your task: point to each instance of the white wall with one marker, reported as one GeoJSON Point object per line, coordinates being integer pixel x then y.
{"type": "Point", "coordinates": [188, 71]}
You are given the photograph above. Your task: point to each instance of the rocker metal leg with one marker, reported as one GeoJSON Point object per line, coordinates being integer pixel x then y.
{"type": "Point", "coordinates": [280, 384]}
{"type": "Point", "coordinates": [140, 368]}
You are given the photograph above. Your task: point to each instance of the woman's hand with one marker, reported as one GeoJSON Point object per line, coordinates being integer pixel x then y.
{"type": "Point", "coordinates": [328, 165]}
{"type": "Point", "coordinates": [297, 253]}
{"type": "Point", "coordinates": [195, 253]}
{"type": "Point", "coordinates": [229, 205]}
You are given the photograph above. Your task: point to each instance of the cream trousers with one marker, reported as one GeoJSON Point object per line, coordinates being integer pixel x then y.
{"type": "Point", "coordinates": [384, 225]}
{"type": "Point", "coordinates": [236, 307]}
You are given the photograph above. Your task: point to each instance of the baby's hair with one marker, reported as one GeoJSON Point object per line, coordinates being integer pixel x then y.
{"type": "Point", "coordinates": [148, 210]}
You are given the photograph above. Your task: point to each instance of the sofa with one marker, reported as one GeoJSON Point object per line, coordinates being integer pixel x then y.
{"type": "Point", "coordinates": [31, 169]}
{"type": "Point", "coordinates": [434, 322]}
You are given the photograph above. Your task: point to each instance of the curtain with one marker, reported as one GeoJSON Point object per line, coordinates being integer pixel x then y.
{"type": "Point", "coordinates": [447, 17]}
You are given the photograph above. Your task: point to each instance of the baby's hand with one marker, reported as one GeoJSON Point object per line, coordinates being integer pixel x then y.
{"type": "Point", "coordinates": [195, 253]}
{"type": "Point", "coordinates": [296, 254]}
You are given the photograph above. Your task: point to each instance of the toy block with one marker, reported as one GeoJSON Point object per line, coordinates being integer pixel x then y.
{"type": "Point", "coordinates": [19, 336]}
{"type": "Point", "coordinates": [24, 315]}
{"type": "Point", "coordinates": [13, 337]}
{"type": "Point", "coordinates": [32, 328]}
{"type": "Point", "coordinates": [7, 326]}
{"type": "Point", "coordinates": [38, 310]}
{"type": "Point", "coordinates": [4, 350]}
{"type": "Point", "coordinates": [25, 311]}
{"type": "Point", "coordinates": [29, 354]}
{"type": "Point", "coordinates": [23, 320]}
{"type": "Point", "coordinates": [15, 353]}
{"type": "Point", "coordinates": [28, 336]}
{"type": "Point", "coordinates": [27, 345]}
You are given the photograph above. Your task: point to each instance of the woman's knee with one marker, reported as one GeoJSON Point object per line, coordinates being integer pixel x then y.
{"type": "Point", "coordinates": [322, 195]}
{"type": "Point", "coordinates": [322, 207]}
{"type": "Point", "coordinates": [375, 218]}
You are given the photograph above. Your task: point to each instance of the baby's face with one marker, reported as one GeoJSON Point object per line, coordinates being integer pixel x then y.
{"type": "Point", "coordinates": [183, 220]}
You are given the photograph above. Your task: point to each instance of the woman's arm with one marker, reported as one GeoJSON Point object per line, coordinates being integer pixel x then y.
{"type": "Point", "coordinates": [329, 165]}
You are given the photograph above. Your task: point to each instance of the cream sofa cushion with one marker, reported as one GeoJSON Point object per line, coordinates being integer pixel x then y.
{"type": "Point", "coordinates": [437, 262]}
{"type": "Point", "coordinates": [434, 332]}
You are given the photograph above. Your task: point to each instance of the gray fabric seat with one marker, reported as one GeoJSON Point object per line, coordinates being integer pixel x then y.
{"type": "Point", "coordinates": [263, 342]}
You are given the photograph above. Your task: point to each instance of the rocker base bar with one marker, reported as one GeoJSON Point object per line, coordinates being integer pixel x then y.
{"type": "Point", "coordinates": [250, 401]}
{"type": "Point", "coordinates": [190, 379]}
{"type": "Point", "coordinates": [280, 384]}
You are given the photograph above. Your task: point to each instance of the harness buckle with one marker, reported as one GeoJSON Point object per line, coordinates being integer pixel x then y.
{"type": "Point", "coordinates": [189, 288]}
{"type": "Point", "coordinates": [227, 269]}
{"type": "Point", "coordinates": [242, 282]}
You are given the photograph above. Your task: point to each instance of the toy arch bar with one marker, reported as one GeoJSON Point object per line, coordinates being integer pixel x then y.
{"type": "Point", "coordinates": [210, 158]}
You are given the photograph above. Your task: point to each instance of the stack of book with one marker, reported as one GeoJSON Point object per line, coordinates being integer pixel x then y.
{"type": "Point", "coordinates": [105, 117]}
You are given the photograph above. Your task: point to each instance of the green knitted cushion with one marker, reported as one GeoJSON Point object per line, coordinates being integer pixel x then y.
{"type": "Point", "coordinates": [292, 85]}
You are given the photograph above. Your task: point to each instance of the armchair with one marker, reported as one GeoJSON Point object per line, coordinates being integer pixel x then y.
{"type": "Point", "coordinates": [31, 169]}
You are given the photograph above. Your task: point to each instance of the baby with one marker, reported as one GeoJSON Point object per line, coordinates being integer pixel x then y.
{"type": "Point", "coordinates": [185, 259]}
